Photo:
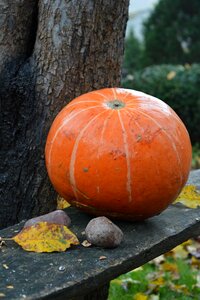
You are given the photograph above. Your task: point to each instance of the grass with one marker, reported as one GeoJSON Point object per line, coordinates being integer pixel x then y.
{"type": "Point", "coordinates": [171, 278]}
{"type": "Point", "coordinates": [196, 156]}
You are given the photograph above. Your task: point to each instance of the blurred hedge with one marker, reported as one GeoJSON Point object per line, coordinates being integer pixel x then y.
{"type": "Point", "coordinates": [177, 85]}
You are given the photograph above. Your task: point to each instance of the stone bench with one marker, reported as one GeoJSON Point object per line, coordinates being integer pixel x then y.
{"type": "Point", "coordinates": [80, 273]}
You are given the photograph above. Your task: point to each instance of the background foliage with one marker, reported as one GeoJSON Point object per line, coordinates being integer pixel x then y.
{"type": "Point", "coordinates": [171, 34]}
{"type": "Point", "coordinates": [176, 85]}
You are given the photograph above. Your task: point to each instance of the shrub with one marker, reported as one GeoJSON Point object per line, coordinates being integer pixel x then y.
{"type": "Point", "coordinates": [176, 85]}
{"type": "Point", "coordinates": [171, 33]}
{"type": "Point", "coordinates": [132, 54]}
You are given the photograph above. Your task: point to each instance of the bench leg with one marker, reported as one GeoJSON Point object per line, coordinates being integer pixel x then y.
{"type": "Point", "coordinates": [99, 294]}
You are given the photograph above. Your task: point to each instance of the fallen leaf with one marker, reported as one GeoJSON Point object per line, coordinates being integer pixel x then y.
{"type": "Point", "coordinates": [154, 297]}
{"type": "Point", "coordinates": [169, 267]}
{"type": "Point", "coordinates": [140, 296]}
{"type": "Point", "coordinates": [2, 295]}
{"type": "Point", "coordinates": [187, 243]}
{"type": "Point", "coordinates": [171, 75]}
{"type": "Point", "coordinates": [137, 269]}
{"type": "Point", "coordinates": [198, 281]}
{"type": "Point", "coordinates": [62, 203]}
{"type": "Point", "coordinates": [5, 266]}
{"type": "Point", "coordinates": [195, 262]}
{"type": "Point", "coordinates": [179, 288]}
{"type": "Point", "coordinates": [2, 242]}
{"type": "Point", "coordinates": [158, 281]}
{"type": "Point", "coordinates": [189, 196]}
{"type": "Point", "coordinates": [194, 251]}
{"type": "Point", "coordinates": [46, 237]}
{"type": "Point", "coordinates": [102, 257]}
{"type": "Point", "coordinates": [86, 244]}
{"type": "Point", "coordinates": [178, 252]}
{"type": "Point", "coordinates": [117, 281]}
{"type": "Point", "coordinates": [158, 260]}
{"type": "Point", "coordinates": [10, 287]}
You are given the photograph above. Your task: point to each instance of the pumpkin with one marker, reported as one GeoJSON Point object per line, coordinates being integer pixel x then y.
{"type": "Point", "coordinates": [118, 153]}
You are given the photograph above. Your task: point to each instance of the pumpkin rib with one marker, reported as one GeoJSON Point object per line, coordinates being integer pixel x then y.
{"type": "Point", "coordinates": [82, 102]}
{"type": "Point", "coordinates": [142, 130]}
{"type": "Point", "coordinates": [105, 97]}
{"type": "Point", "coordinates": [74, 151]}
{"type": "Point", "coordinates": [129, 189]}
{"type": "Point", "coordinates": [58, 130]}
{"type": "Point", "coordinates": [114, 93]}
{"type": "Point", "coordinates": [105, 123]}
{"type": "Point", "coordinates": [103, 130]}
{"type": "Point", "coordinates": [169, 138]}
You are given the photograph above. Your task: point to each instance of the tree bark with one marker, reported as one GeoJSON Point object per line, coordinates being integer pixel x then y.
{"type": "Point", "coordinates": [50, 52]}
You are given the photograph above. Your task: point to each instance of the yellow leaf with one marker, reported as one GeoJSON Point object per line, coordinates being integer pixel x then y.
{"type": "Point", "coordinates": [46, 237]}
{"type": "Point", "coordinates": [140, 296]}
{"type": "Point", "coordinates": [116, 281]}
{"type": "Point", "coordinates": [187, 243]}
{"type": "Point", "coordinates": [158, 282]}
{"type": "Point", "coordinates": [62, 203]}
{"type": "Point", "coordinates": [169, 267]}
{"type": "Point", "coordinates": [179, 288]}
{"type": "Point", "coordinates": [195, 262]}
{"type": "Point", "coordinates": [179, 252]}
{"type": "Point", "coordinates": [189, 196]}
{"type": "Point", "coordinates": [171, 75]}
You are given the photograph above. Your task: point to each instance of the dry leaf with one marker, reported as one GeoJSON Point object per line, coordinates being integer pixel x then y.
{"type": "Point", "coordinates": [62, 203]}
{"type": "Point", "coordinates": [86, 244]}
{"type": "Point", "coordinates": [195, 262]}
{"type": "Point", "coordinates": [2, 295]}
{"type": "Point", "coordinates": [140, 296]}
{"type": "Point", "coordinates": [170, 267]}
{"type": "Point", "coordinates": [2, 242]}
{"type": "Point", "coordinates": [189, 196]}
{"type": "Point", "coordinates": [198, 281]}
{"type": "Point", "coordinates": [158, 281]}
{"type": "Point", "coordinates": [102, 257]}
{"type": "Point", "coordinates": [46, 237]}
{"type": "Point", "coordinates": [117, 281]}
{"type": "Point", "coordinates": [171, 75]}
{"type": "Point", "coordinates": [178, 252]}
{"type": "Point", "coordinates": [179, 288]}
{"type": "Point", "coordinates": [154, 297]}
{"type": "Point", "coordinates": [10, 287]}
{"type": "Point", "coordinates": [158, 260]}
{"type": "Point", "coordinates": [5, 266]}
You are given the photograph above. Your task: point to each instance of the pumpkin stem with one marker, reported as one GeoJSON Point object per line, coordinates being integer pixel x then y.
{"type": "Point", "coordinates": [115, 104]}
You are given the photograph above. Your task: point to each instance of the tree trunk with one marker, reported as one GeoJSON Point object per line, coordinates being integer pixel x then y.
{"type": "Point", "coordinates": [50, 52]}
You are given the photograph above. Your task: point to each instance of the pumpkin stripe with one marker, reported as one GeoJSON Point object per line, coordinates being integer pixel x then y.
{"type": "Point", "coordinates": [121, 91]}
{"type": "Point", "coordinates": [127, 157]}
{"type": "Point", "coordinates": [82, 102]}
{"type": "Point", "coordinates": [73, 155]}
{"type": "Point", "coordinates": [102, 95]}
{"type": "Point", "coordinates": [71, 117]}
{"type": "Point", "coordinates": [103, 130]}
{"type": "Point", "coordinates": [167, 135]}
{"type": "Point", "coordinates": [114, 93]}
{"type": "Point", "coordinates": [105, 123]}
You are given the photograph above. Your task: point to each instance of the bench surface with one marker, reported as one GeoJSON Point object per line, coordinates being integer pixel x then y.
{"type": "Point", "coordinates": [79, 270]}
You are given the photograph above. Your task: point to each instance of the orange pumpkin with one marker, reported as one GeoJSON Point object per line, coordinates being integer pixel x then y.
{"type": "Point", "coordinates": [119, 153]}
